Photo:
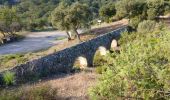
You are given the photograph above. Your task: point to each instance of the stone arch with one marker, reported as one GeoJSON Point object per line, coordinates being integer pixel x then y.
{"type": "Point", "coordinates": [80, 62]}
{"type": "Point", "coordinates": [114, 46]}
{"type": "Point", "coordinates": [99, 56]}
{"type": "Point", "coordinates": [102, 50]}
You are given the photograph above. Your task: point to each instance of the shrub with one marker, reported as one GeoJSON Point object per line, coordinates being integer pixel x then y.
{"type": "Point", "coordinates": [140, 71]}
{"type": "Point", "coordinates": [100, 69]}
{"type": "Point", "coordinates": [146, 26]}
{"type": "Point", "coordinates": [107, 11]}
{"type": "Point", "coordinates": [152, 13]}
{"type": "Point", "coordinates": [99, 60]}
{"type": "Point", "coordinates": [134, 22]}
{"type": "Point", "coordinates": [9, 78]}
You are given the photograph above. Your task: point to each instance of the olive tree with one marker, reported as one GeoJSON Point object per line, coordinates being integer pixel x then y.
{"type": "Point", "coordinates": [107, 11]}
{"type": "Point", "coordinates": [157, 7]}
{"type": "Point", "coordinates": [129, 8]}
{"type": "Point", "coordinates": [58, 18]}
{"type": "Point", "coordinates": [9, 21]}
{"type": "Point", "coordinates": [71, 17]}
{"type": "Point", "coordinates": [79, 16]}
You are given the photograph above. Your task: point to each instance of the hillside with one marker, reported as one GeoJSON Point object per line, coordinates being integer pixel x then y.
{"type": "Point", "coordinates": [35, 14]}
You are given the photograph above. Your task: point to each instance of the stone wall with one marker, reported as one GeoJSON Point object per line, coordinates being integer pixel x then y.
{"type": "Point", "coordinates": [62, 61]}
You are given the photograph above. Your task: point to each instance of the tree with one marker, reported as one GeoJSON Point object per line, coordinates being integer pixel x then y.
{"type": "Point", "coordinates": [107, 11]}
{"type": "Point", "coordinates": [155, 8]}
{"type": "Point", "coordinates": [79, 16]}
{"type": "Point", "coordinates": [71, 17]}
{"type": "Point", "coordinates": [2, 28]}
{"type": "Point", "coordinates": [9, 21]}
{"type": "Point", "coordinates": [58, 18]}
{"type": "Point", "coordinates": [129, 8]}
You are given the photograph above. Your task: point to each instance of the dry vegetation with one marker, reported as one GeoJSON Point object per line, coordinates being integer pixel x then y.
{"type": "Point", "coordinates": [63, 87]}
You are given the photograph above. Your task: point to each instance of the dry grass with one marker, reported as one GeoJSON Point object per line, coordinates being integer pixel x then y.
{"type": "Point", "coordinates": [63, 87]}
{"type": "Point", "coordinates": [75, 86]}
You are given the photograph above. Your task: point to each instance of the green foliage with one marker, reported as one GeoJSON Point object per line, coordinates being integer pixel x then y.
{"type": "Point", "coordinates": [134, 22]}
{"type": "Point", "coordinates": [35, 14]}
{"type": "Point", "coordinates": [100, 69]}
{"type": "Point", "coordinates": [58, 17]}
{"type": "Point", "coordinates": [107, 11]}
{"type": "Point", "coordinates": [140, 71]}
{"type": "Point", "coordinates": [71, 17]}
{"type": "Point", "coordinates": [99, 60]}
{"type": "Point", "coordinates": [129, 8]}
{"type": "Point", "coordinates": [9, 78]}
{"type": "Point", "coordinates": [146, 26]}
{"type": "Point", "coordinates": [139, 10]}
{"type": "Point", "coordinates": [9, 21]}
{"type": "Point", "coordinates": [152, 13]}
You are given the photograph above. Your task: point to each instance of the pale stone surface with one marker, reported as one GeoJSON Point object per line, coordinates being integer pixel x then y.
{"type": "Point", "coordinates": [83, 62]}
{"type": "Point", "coordinates": [102, 51]}
{"type": "Point", "coordinates": [114, 44]}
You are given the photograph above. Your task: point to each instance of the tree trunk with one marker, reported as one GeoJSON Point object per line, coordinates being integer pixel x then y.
{"type": "Point", "coordinates": [78, 35]}
{"type": "Point", "coordinates": [69, 36]}
{"type": "Point", "coordinates": [3, 34]}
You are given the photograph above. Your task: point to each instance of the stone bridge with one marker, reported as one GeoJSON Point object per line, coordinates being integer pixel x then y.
{"type": "Point", "coordinates": [63, 61]}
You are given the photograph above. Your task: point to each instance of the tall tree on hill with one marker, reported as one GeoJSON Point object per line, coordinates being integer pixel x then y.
{"type": "Point", "coordinates": [58, 18]}
{"type": "Point", "coordinates": [79, 16]}
{"type": "Point", "coordinates": [9, 21]}
{"type": "Point", "coordinates": [107, 11]}
{"type": "Point", "coordinates": [71, 17]}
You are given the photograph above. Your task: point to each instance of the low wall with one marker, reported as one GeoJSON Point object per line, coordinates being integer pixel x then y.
{"type": "Point", "coordinates": [62, 61]}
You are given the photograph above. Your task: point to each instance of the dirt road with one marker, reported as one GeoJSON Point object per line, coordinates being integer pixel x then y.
{"type": "Point", "coordinates": [34, 41]}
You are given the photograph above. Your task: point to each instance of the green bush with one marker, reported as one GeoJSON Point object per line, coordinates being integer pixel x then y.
{"type": "Point", "coordinates": [134, 22]}
{"type": "Point", "coordinates": [100, 69]}
{"type": "Point", "coordinates": [146, 26]}
{"type": "Point", "coordinates": [9, 78]}
{"type": "Point", "coordinates": [99, 60]}
{"type": "Point", "coordinates": [140, 71]}
{"type": "Point", "coordinates": [152, 13]}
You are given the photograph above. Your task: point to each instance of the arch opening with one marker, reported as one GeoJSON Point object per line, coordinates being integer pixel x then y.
{"type": "Point", "coordinates": [80, 63]}
{"type": "Point", "coordinates": [114, 46]}
{"type": "Point", "coordinates": [100, 56]}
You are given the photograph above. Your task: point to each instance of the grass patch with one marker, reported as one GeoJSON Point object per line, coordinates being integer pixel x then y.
{"type": "Point", "coordinates": [9, 78]}
{"type": "Point", "coordinates": [11, 60]}
{"type": "Point", "coordinates": [60, 38]}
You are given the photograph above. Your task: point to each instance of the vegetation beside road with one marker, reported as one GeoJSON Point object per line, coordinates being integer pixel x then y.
{"type": "Point", "coordinates": [140, 71]}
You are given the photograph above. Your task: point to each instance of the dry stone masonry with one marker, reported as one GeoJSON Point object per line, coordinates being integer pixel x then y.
{"type": "Point", "coordinates": [62, 61]}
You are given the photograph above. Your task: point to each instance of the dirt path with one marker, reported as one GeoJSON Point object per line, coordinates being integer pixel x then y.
{"type": "Point", "coordinates": [33, 42]}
